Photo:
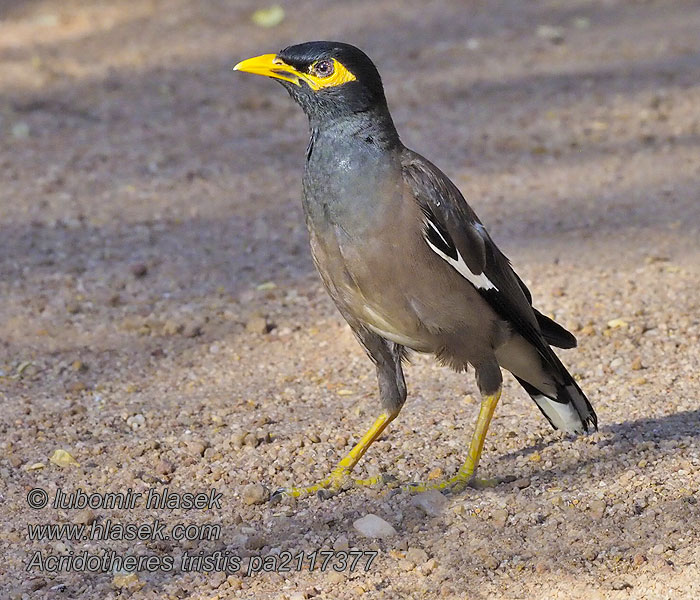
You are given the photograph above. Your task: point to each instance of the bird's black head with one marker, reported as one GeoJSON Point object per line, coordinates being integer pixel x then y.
{"type": "Point", "coordinates": [329, 80]}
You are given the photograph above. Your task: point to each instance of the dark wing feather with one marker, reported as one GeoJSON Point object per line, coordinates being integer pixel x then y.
{"type": "Point", "coordinates": [523, 287]}
{"type": "Point", "coordinates": [554, 333]}
{"type": "Point", "coordinates": [443, 203]}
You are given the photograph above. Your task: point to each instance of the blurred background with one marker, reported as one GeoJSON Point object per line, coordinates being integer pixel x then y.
{"type": "Point", "coordinates": [155, 280]}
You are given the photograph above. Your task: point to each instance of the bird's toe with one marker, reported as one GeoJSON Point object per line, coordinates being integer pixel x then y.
{"type": "Point", "coordinates": [337, 482]}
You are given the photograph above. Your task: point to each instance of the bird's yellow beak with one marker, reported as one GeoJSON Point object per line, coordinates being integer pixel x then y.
{"type": "Point", "coordinates": [269, 65]}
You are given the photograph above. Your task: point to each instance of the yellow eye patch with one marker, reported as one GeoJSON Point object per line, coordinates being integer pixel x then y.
{"type": "Point", "coordinates": [323, 73]}
{"type": "Point", "coordinates": [338, 76]}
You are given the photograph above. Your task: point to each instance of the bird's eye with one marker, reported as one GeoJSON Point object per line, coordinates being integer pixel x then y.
{"type": "Point", "coordinates": [323, 68]}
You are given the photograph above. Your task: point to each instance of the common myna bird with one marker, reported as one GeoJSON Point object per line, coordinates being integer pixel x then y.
{"type": "Point", "coordinates": [406, 260]}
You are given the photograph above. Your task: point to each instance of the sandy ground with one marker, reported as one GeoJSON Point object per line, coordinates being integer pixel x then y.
{"type": "Point", "coordinates": [162, 323]}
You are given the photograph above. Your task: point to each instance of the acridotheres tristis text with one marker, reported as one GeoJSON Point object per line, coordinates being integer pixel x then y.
{"type": "Point", "coordinates": [406, 260]}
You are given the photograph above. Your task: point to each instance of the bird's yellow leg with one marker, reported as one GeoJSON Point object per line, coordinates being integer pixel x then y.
{"type": "Point", "coordinates": [467, 470]}
{"type": "Point", "coordinates": [340, 475]}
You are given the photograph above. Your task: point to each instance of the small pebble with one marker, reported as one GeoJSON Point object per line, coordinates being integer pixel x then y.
{"type": "Point", "coordinates": [20, 130]}
{"type": "Point", "coordinates": [428, 567]}
{"type": "Point", "coordinates": [500, 517]}
{"type": "Point", "coordinates": [234, 582]}
{"type": "Point", "coordinates": [617, 323]}
{"type": "Point", "coordinates": [639, 559]}
{"type": "Point", "coordinates": [171, 327]}
{"type": "Point", "coordinates": [406, 565]}
{"type": "Point", "coordinates": [63, 458]}
{"type": "Point", "coordinates": [257, 324]}
{"type": "Point", "coordinates": [33, 585]}
{"type": "Point", "coordinates": [432, 502]}
{"type": "Point", "coordinates": [217, 579]}
{"type": "Point", "coordinates": [192, 330]}
{"type": "Point", "coordinates": [125, 580]}
{"type": "Point", "coordinates": [658, 549]}
{"type": "Point", "coordinates": [597, 508]}
{"type": "Point", "coordinates": [254, 493]}
{"type": "Point", "coordinates": [139, 270]}
{"type": "Point", "coordinates": [541, 567]}
{"type": "Point", "coordinates": [435, 473]}
{"type": "Point", "coordinates": [417, 555]}
{"type": "Point", "coordinates": [446, 590]}
{"type": "Point", "coordinates": [85, 517]}
{"type": "Point", "coordinates": [335, 577]}
{"type": "Point", "coordinates": [238, 438]}
{"type": "Point", "coordinates": [73, 308]}
{"type": "Point", "coordinates": [250, 439]}
{"type": "Point", "coordinates": [341, 544]}
{"type": "Point", "coordinates": [619, 585]}
{"type": "Point", "coordinates": [114, 300]}
{"type": "Point", "coordinates": [136, 421]}
{"type": "Point", "coordinates": [555, 35]}
{"type": "Point", "coordinates": [76, 387]}
{"type": "Point", "coordinates": [372, 526]}
{"type": "Point", "coordinates": [196, 447]}
{"type": "Point", "coordinates": [255, 542]}
{"type": "Point", "coordinates": [164, 467]}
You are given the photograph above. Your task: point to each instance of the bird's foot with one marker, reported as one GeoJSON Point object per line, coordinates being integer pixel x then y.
{"type": "Point", "coordinates": [338, 481]}
{"type": "Point", "coordinates": [457, 483]}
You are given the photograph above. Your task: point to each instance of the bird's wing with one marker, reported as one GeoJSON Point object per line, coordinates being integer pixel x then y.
{"type": "Point", "coordinates": [454, 232]}
{"type": "Point", "coordinates": [554, 333]}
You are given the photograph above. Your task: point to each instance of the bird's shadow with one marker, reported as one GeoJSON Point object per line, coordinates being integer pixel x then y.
{"type": "Point", "coordinates": [624, 438]}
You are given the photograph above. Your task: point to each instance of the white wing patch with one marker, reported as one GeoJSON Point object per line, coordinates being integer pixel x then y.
{"type": "Point", "coordinates": [479, 281]}
{"type": "Point", "coordinates": [436, 230]}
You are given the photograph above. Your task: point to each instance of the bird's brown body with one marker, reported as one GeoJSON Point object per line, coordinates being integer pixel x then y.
{"type": "Point", "coordinates": [378, 286]}
{"type": "Point", "coordinates": [406, 260]}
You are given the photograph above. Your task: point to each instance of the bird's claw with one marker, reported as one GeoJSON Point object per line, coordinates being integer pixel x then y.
{"type": "Point", "coordinates": [453, 485]}
{"type": "Point", "coordinates": [336, 482]}
{"type": "Point", "coordinates": [277, 495]}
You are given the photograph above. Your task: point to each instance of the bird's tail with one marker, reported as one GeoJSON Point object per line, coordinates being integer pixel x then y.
{"type": "Point", "coordinates": [551, 386]}
{"type": "Point", "coordinates": [569, 410]}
